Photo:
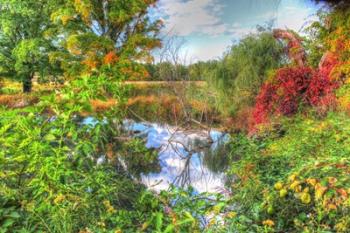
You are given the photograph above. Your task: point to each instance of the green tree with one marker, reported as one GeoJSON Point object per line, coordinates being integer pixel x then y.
{"type": "Point", "coordinates": [243, 69]}
{"type": "Point", "coordinates": [25, 42]}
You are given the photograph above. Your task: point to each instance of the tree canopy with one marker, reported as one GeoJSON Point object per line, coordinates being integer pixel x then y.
{"type": "Point", "coordinates": [93, 28]}
{"type": "Point", "coordinates": [24, 42]}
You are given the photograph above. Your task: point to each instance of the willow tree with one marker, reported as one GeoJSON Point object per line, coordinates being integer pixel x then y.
{"type": "Point", "coordinates": [25, 42]}
{"type": "Point", "coordinates": [95, 30]}
{"type": "Point", "coordinates": [244, 68]}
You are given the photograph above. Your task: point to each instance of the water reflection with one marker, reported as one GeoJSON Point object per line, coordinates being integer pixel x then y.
{"type": "Point", "coordinates": [187, 158]}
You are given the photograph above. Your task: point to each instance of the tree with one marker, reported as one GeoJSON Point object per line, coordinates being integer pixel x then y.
{"type": "Point", "coordinates": [244, 68]}
{"type": "Point", "coordinates": [93, 29]}
{"type": "Point", "coordinates": [25, 43]}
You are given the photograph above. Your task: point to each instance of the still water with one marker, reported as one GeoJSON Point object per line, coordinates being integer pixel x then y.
{"type": "Point", "coordinates": [187, 158]}
{"type": "Point", "coordinates": [195, 158]}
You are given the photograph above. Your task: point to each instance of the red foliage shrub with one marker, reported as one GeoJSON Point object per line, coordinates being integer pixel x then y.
{"type": "Point", "coordinates": [284, 95]}
{"type": "Point", "coordinates": [296, 87]}
{"type": "Point", "coordinates": [321, 89]}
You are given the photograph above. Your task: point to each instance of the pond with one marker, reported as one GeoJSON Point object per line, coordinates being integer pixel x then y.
{"type": "Point", "coordinates": [194, 158]}
{"type": "Point", "coordinates": [186, 157]}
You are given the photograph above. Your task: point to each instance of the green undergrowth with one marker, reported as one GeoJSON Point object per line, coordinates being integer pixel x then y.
{"type": "Point", "coordinates": [294, 178]}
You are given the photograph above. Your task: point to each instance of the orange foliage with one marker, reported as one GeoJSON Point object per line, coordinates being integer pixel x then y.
{"type": "Point", "coordinates": [101, 106]}
{"type": "Point", "coordinates": [242, 121]}
{"type": "Point", "coordinates": [110, 58]}
{"type": "Point", "coordinates": [17, 101]}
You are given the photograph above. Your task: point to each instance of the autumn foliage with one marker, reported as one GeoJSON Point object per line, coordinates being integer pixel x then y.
{"type": "Point", "coordinates": [299, 86]}
{"type": "Point", "coordinates": [284, 94]}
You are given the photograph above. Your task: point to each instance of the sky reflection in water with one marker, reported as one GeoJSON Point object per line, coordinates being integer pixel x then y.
{"type": "Point", "coordinates": [178, 166]}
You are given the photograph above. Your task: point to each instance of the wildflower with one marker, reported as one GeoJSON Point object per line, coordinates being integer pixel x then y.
{"type": "Point", "coordinates": [331, 207]}
{"type": "Point", "coordinates": [231, 214]}
{"type": "Point", "coordinates": [306, 190]}
{"type": "Point", "coordinates": [292, 177]}
{"type": "Point", "coordinates": [295, 186]}
{"type": "Point", "coordinates": [311, 181]}
{"type": "Point", "coordinates": [341, 226]}
{"type": "Point", "coordinates": [283, 193]}
{"type": "Point", "coordinates": [319, 191]}
{"type": "Point", "coordinates": [305, 198]}
{"type": "Point", "coordinates": [143, 227]}
{"type": "Point", "coordinates": [109, 207]}
{"type": "Point", "coordinates": [268, 222]}
{"type": "Point", "coordinates": [278, 186]}
{"type": "Point", "coordinates": [60, 198]}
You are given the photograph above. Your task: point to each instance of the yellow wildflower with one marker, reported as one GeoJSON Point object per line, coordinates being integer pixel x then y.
{"type": "Point", "coordinates": [294, 184]}
{"type": "Point", "coordinates": [144, 226]}
{"type": "Point", "coordinates": [341, 226]}
{"type": "Point", "coordinates": [305, 198]}
{"type": "Point", "coordinates": [60, 198]}
{"type": "Point", "coordinates": [268, 222]}
{"type": "Point", "coordinates": [283, 192]}
{"type": "Point", "coordinates": [109, 207]}
{"type": "Point", "coordinates": [231, 214]}
{"type": "Point", "coordinates": [319, 191]}
{"type": "Point", "coordinates": [292, 177]}
{"type": "Point", "coordinates": [311, 181]}
{"type": "Point", "coordinates": [278, 186]}
{"type": "Point", "coordinates": [331, 207]}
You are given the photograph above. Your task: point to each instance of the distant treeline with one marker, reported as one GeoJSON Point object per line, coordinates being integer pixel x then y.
{"type": "Point", "coordinates": [167, 71]}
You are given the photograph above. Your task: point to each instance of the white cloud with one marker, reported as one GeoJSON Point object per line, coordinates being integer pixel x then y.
{"type": "Point", "coordinates": [240, 31]}
{"type": "Point", "coordinates": [209, 51]}
{"type": "Point", "coordinates": [193, 16]}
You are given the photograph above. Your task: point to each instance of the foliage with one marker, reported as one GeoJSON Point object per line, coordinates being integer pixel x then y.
{"type": "Point", "coordinates": [294, 179]}
{"type": "Point", "coordinates": [98, 32]}
{"type": "Point", "coordinates": [284, 94]}
{"type": "Point", "coordinates": [52, 180]}
{"type": "Point", "coordinates": [24, 41]}
{"type": "Point", "coordinates": [296, 87]}
{"type": "Point", "coordinates": [243, 69]}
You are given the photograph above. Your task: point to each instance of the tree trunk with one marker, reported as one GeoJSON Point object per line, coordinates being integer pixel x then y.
{"type": "Point", "coordinates": [27, 84]}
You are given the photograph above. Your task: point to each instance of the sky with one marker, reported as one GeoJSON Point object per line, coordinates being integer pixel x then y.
{"type": "Point", "coordinates": [208, 27]}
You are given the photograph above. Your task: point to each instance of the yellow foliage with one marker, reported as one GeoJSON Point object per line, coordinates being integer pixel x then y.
{"type": "Point", "coordinates": [84, 8]}
{"type": "Point", "coordinates": [73, 45]}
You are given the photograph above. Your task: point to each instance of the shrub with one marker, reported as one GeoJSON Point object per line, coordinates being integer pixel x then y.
{"type": "Point", "coordinates": [284, 95]}
{"type": "Point", "coordinates": [292, 89]}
